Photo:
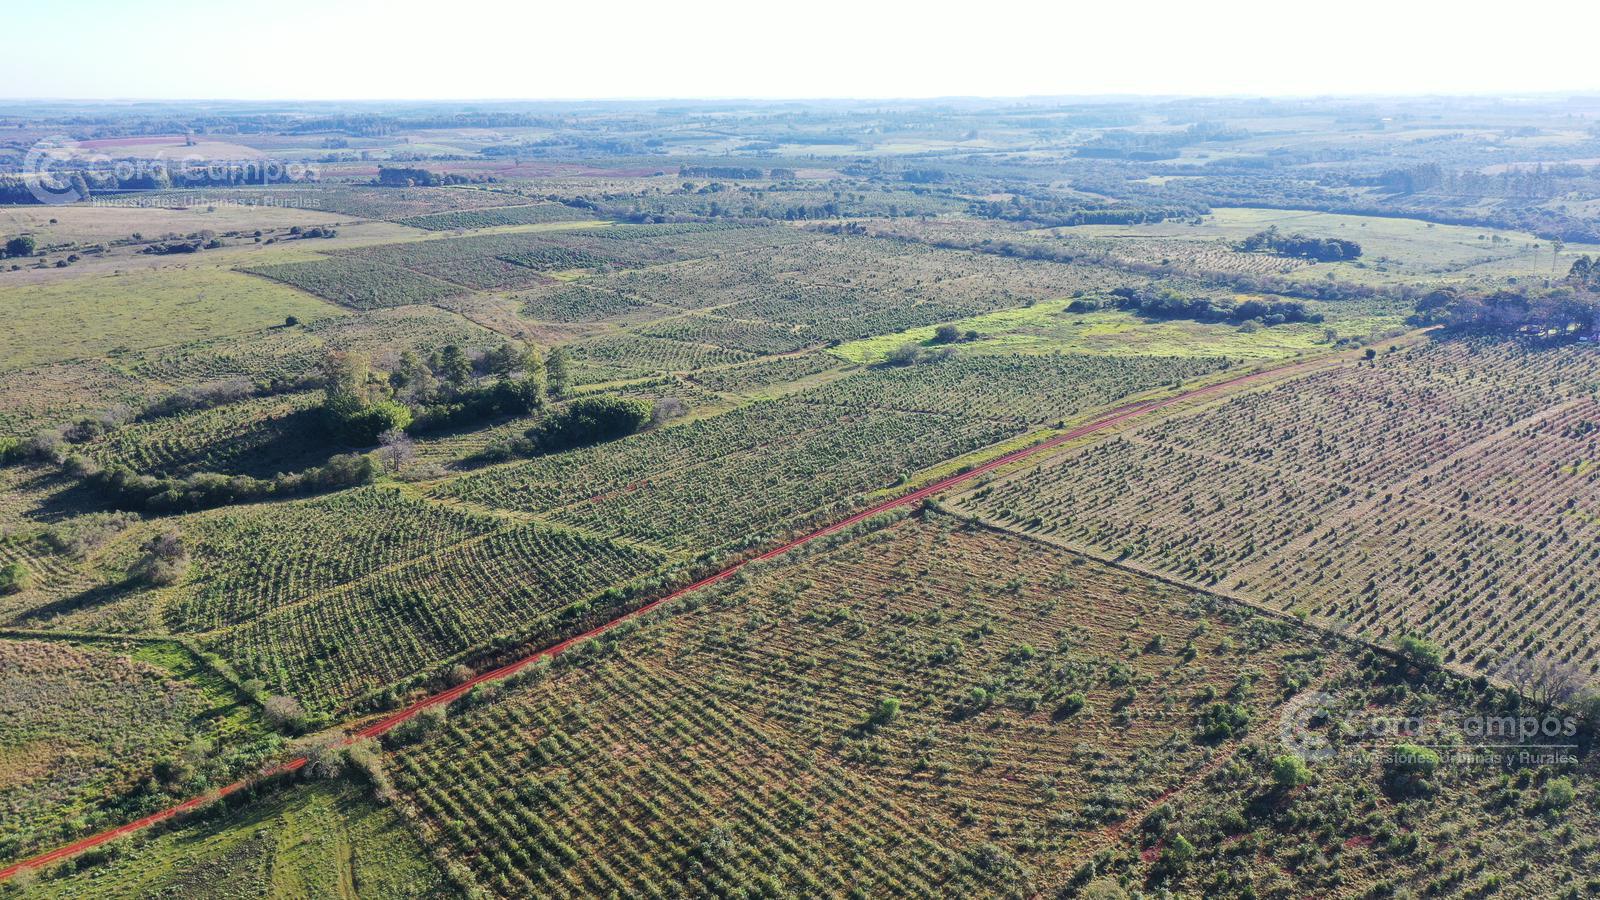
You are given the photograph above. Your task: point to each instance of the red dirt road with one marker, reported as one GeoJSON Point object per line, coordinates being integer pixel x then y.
{"type": "Point", "coordinates": [1108, 419]}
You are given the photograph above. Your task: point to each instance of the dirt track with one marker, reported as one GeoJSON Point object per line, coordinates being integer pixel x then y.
{"type": "Point", "coordinates": [1113, 417]}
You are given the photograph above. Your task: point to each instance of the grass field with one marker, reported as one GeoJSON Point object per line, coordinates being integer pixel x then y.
{"type": "Point", "coordinates": [85, 726]}
{"type": "Point", "coordinates": [1048, 327]}
{"type": "Point", "coordinates": [111, 315]}
{"type": "Point", "coordinates": [1394, 249]}
{"type": "Point", "coordinates": [82, 224]}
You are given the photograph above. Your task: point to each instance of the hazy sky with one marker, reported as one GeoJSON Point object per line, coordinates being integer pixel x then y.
{"type": "Point", "coordinates": [348, 49]}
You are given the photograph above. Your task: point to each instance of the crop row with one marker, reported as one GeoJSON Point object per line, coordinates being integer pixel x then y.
{"type": "Point", "coordinates": [327, 648]}
{"type": "Point", "coordinates": [742, 497]}
{"type": "Point", "coordinates": [359, 283]}
{"type": "Point", "coordinates": [1190, 515]}
{"type": "Point", "coordinates": [1448, 490]}
{"type": "Point", "coordinates": [251, 561]}
{"type": "Point", "coordinates": [258, 437]}
{"type": "Point", "coordinates": [1013, 388]}
{"type": "Point", "coordinates": [732, 477]}
{"type": "Point", "coordinates": [535, 214]}
{"type": "Point", "coordinates": [631, 356]}
{"type": "Point", "coordinates": [752, 336]}
{"type": "Point", "coordinates": [743, 742]}
{"type": "Point", "coordinates": [754, 376]}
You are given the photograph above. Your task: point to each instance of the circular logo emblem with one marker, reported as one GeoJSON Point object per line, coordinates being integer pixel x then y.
{"type": "Point", "coordinates": [1298, 729]}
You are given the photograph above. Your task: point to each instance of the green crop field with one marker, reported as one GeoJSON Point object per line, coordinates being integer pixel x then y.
{"type": "Point", "coordinates": [1124, 498]}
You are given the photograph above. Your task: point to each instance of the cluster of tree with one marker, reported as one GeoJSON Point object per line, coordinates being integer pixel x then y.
{"type": "Point", "coordinates": [590, 420]}
{"type": "Point", "coordinates": [1165, 303]}
{"type": "Point", "coordinates": [359, 404]}
{"type": "Point", "coordinates": [950, 334]}
{"type": "Point", "coordinates": [1585, 273]}
{"type": "Point", "coordinates": [406, 176]}
{"type": "Point", "coordinates": [587, 420]}
{"type": "Point", "coordinates": [449, 388]}
{"type": "Point", "coordinates": [1412, 179]}
{"type": "Point", "coordinates": [1061, 211]}
{"type": "Point", "coordinates": [127, 489]}
{"type": "Point", "coordinates": [1300, 245]}
{"type": "Point", "coordinates": [1563, 308]}
{"type": "Point", "coordinates": [193, 246]}
{"type": "Point", "coordinates": [734, 172]}
{"type": "Point", "coordinates": [912, 353]}
{"type": "Point", "coordinates": [20, 247]}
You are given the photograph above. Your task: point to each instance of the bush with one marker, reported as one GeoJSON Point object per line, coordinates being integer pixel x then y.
{"type": "Point", "coordinates": [14, 578]}
{"type": "Point", "coordinates": [284, 713]}
{"type": "Point", "coordinates": [1421, 652]}
{"type": "Point", "coordinates": [21, 246]}
{"type": "Point", "coordinates": [591, 420]}
{"type": "Point", "coordinates": [1290, 771]}
{"type": "Point", "coordinates": [1071, 705]}
{"type": "Point", "coordinates": [1224, 720]}
{"type": "Point", "coordinates": [418, 727]}
{"type": "Point", "coordinates": [1558, 794]}
{"type": "Point", "coordinates": [164, 563]}
{"type": "Point", "coordinates": [1409, 767]}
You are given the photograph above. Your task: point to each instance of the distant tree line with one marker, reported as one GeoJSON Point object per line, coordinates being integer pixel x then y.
{"type": "Point", "coordinates": [1300, 245]}
{"type": "Point", "coordinates": [90, 181]}
{"type": "Point", "coordinates": [407, 176]}
{"type": "Point", "coordinates": [733, 172]}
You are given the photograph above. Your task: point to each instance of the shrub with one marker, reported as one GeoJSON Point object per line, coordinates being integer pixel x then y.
{"type": "Point", "coordinates": [1421, 652]}
{"type": "Point", "coordinates": [283, 713]}
{"type": "Point", "coordinates": [419, 726]}
{"type": "Point", "coordinates": [1071, 705]}
{"type": "Point", "coordinates": [591, 420]}
{"type": "Point", "coordinates": [1558, 794]}
{"type": "Point", "coordinates": [1224, 720]}
{"type": "Point", "coordinates": [165, 561]}
{"type": "Point", "coordinates": [1289, 771]}
{"type": "Point", "coordinates": [1409, 767]}
{"type": "Point", "coordinates": [14, 578]}
{"type": "Point", "coordinates": [888, 709]}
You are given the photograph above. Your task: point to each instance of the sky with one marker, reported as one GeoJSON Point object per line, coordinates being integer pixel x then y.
{"type": "Point", "coordinates": [523, 49]}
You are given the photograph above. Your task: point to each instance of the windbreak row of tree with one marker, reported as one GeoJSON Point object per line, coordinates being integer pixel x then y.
{"type": "Point", "coordinates": [1165, 303]}
{"type": "Point", "coordinates": [1300, 245]}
